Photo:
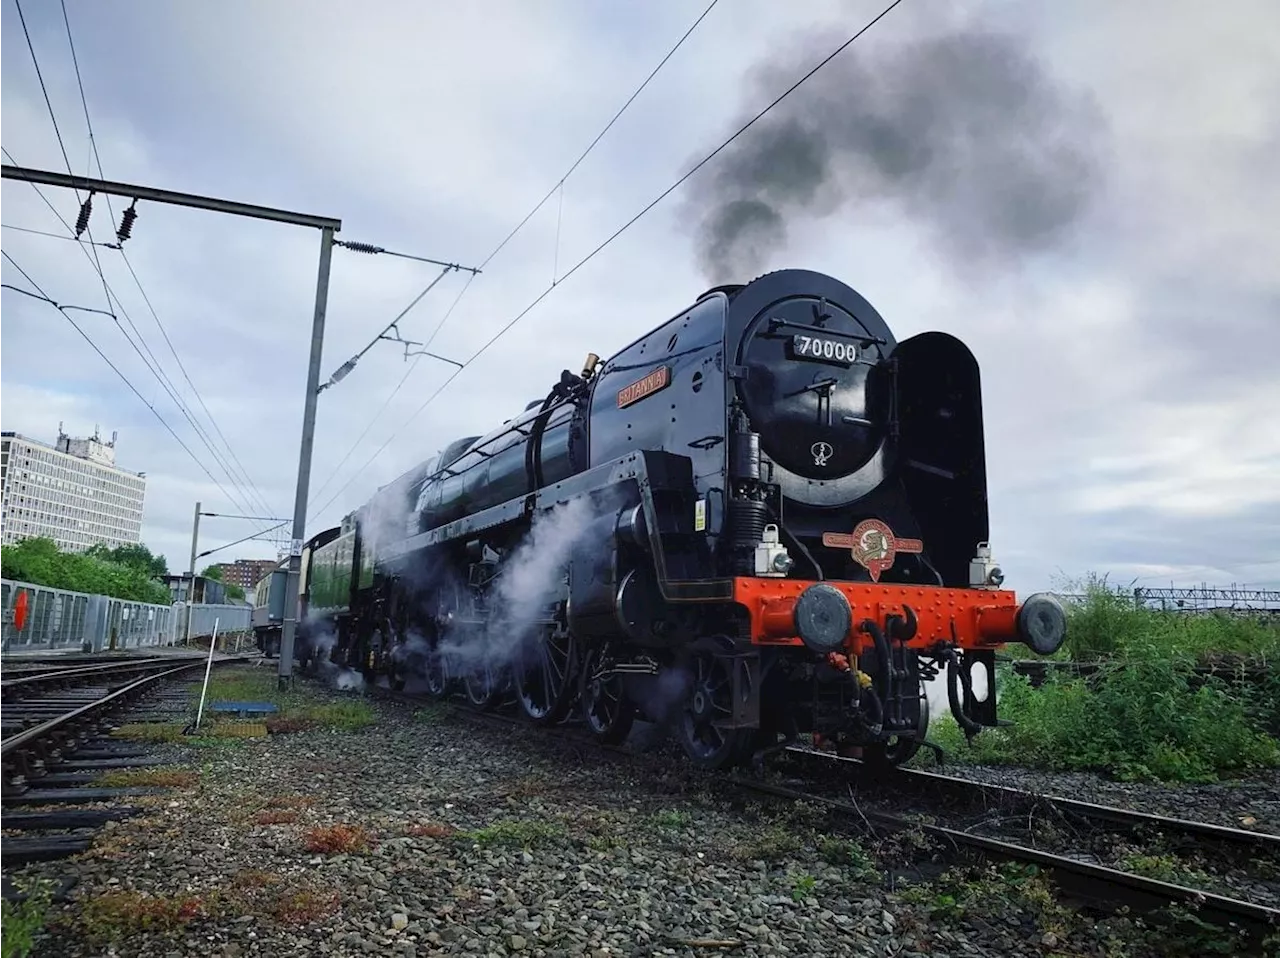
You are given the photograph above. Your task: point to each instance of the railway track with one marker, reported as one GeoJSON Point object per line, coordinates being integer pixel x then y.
{"type": "Point", "coordinates": [1080, 875]}
{"type": "Point", "coordinates": [54, 747]}
{"type": "Point", "coordinates": [998, 821]}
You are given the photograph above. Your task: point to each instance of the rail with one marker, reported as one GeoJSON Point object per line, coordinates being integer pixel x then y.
{"type": "Point", "coordinates": [924, 780]}
{"type": "Point", "coordinates": [1103, 886]}
{"type": "Point", "coordinates": [60, 676]}
{"type": "Point", "coordinates": [27, 749]}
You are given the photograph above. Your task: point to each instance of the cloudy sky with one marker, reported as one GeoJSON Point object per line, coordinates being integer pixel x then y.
{"type": "Point", "coordinates": [1129, 336]}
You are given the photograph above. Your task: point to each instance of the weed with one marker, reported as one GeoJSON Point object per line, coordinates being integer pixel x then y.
{"type": "Point", "coordinates": [431, 830]}
{"type": "Point", "coordinates": [432, 714]}
{"type": "Point", "coordinates": [847, 853]}
{"type": "Point", "coordinates": [1167, 868]}
{"type": "Point", "coordinates": [143, 777]}
{"type": "Point", "coordinates": [989, 893]}
{"type": "Point", "coordinates": [527, 786]}
{"type": "Point", "coordinates": [111, 917]}
{"type": "Point", "coordinates": [255, 878]}
{"type": "Point", "coordinates": [332, 839]}
{"type": "Point", "coordinates": [1134, 719]}
{"type": "Point", "coordinates": [149, 732]}
{"type": "Point", "coordinates": [806, 816]}
{"type": "Point", "coordinates": [20, 922]}
{"type": "Point", "coordinates": [604, 843]}
{"type": "Point", "coordinates": [282, 899]}
{"type": "Point", "coordinates": [283, 726]}
{"type": "Point", "coordinates": [345, 716]}
{"type": "Point", "coordinates": [303, 905]}
{"type": "Point", "coordinates": [275, 816]}
{"type": "Point", "coordinates": [514, 833]}
{"type": "Point", "coordinates": [803, 887]}
{"type": "Point", "coordinates": [771, 844]}
{"type": "Point", "coordinates": [297, 710]}
{"type": "Point", "coordinates": [671, 819]}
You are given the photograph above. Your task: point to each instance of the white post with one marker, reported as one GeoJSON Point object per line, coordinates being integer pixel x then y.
{"type": "Point", "coordinates": [208, 667]}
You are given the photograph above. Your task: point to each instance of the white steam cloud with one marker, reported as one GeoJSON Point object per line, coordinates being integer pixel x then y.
{"type": "Point", "coordinates": [519, 597]}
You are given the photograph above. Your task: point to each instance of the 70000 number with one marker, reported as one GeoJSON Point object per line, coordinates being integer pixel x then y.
{"type": "Point", "coordinates": [824, 350]}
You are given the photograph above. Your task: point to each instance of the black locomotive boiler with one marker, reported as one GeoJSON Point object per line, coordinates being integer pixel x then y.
{"type": "Point", "coordinates": [779, 528]}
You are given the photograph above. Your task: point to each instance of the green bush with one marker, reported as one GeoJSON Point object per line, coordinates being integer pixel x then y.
{"type": "Point", "coordinates": [41, 562]}
{"type": "Point", "coordinates": [1109, 624]}
{"type": "Point", "coordinates": [1134, 719]}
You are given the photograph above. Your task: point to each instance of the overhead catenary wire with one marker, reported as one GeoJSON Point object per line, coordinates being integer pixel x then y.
{"type": "Point", "coordinates": [618, 232]}
{"type": "Point", "coordinates": [252, 535]}
{"type": "Point", "coordinates": [387, 401]}
{"type": "Point", "coordinates": [557, 188]}
{"type": "Point", "coordinates": [46, 233]}
{"type": "Point", "coordinates": [43, 89]}
{"type": "Point", "coordinates": [82, 226]}
{"type": "Point", "coordinates": [162, 379]}
{"type": "Point", "coordinates": [126, 224]}
{"type": "Point", "coordinates": [63, 310]}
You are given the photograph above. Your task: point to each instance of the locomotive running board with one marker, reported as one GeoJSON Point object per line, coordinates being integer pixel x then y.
{"type": "Point", "coordinates": [648, 476]}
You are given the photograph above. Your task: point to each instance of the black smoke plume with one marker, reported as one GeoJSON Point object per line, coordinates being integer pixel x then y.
{"type": "Point", "coordinates": [964, 132]}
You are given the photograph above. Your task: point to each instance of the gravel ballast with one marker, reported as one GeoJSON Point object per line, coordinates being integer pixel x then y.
{"type": "Point", "coordinates": [481, 839]}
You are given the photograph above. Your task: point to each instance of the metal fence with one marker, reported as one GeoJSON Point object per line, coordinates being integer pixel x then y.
{"type": "Point", "coordinates": [229, 618]}
{"type": "Point", "coordinates": [59, 620]}
{"type": "Point", "coordinates": [1197, 600]}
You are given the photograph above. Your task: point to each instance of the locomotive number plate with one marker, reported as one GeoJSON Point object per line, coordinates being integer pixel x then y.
{"type": "Point", "coordinates": [823, 350]}
{"type": "Point", "coordinates": [660, 378]}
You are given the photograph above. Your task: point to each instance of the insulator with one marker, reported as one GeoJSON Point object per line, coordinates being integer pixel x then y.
{"type": "Point", "coordinates": [126, 222]}
{"type": "Point", "coordinates": [86, 208]}
{"type": "Point", "coordinates": [363, 247]}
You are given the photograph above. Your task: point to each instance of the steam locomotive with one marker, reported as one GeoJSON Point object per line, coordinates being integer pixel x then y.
{"type": "Point", "coordinates": [771, 521]}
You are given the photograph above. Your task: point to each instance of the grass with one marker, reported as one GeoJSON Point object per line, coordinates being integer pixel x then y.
{"type": "Point", "coordinates": [1146, 714]}
{"type": "Point", "coordinates": [20, 922]}
{"type": "Point", "coordinates": [116, 916]}
{"type": "Point", "coordinates": [671, 819]}
{"type": "Point", "coordinates": [515, 833]}
{"type": "Point", "coordinates": [337, 839]}
{"type": "Point", "coordinates": [298, 709]}
{"type": "Point", "coordinates": [768, 844]}
{"type": "Point", "coordinates": [1135, 721]}
{"type": "Point", "coordinates": [1022, 897]}
{"type": "Point", "coordinates": [1109, 625]}
{"type": "Point", "coordinates": [147, 777]}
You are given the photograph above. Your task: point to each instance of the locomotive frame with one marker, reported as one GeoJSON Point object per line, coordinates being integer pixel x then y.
{"type": "Point", "coordinates": [783, 531]}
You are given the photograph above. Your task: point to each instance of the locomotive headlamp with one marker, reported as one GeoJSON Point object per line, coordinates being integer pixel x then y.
{"type": "Point", "coordinates": [1042, 623]}
{"type": "Point", "coordinates": [823, 617]}
{"type": "Point", "coordinates": [782, 563]}
{"type": "Point", "coordinates": [996, 576]}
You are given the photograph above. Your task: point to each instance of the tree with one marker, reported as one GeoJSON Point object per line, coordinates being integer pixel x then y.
{"type": "Point", "coordinates": [213, 572]}
{"type": "Point", "coordinates": [135, 557]}
{"type": "Point", "coordinates": [41, 562]}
